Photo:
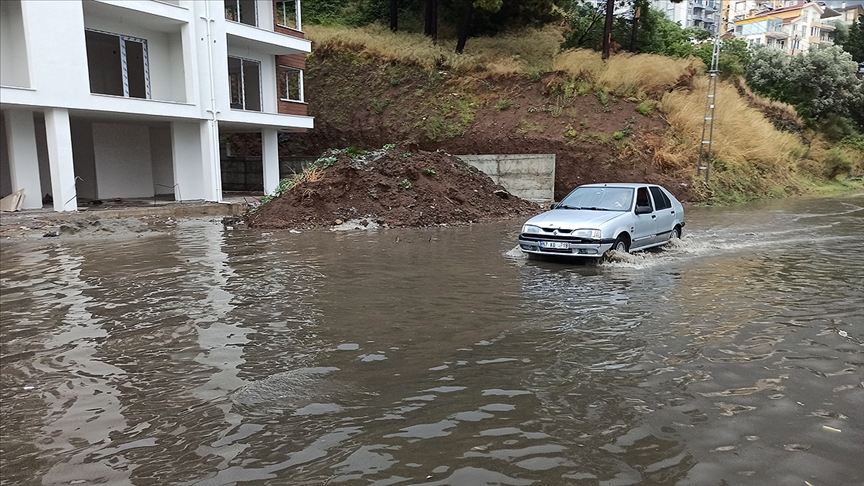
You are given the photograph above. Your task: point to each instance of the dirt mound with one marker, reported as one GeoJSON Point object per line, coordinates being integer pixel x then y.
{"type": "Point", "coordinates": [398, 185]}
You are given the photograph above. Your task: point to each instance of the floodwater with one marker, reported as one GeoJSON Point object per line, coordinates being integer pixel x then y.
{"type": "Point", "coordinates": [439, 357]}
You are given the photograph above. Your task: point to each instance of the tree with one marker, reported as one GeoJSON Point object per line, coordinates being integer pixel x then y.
{"type": "Point", "coordinates": [659, 35]}
{"type": "Point", "coordinates": [825, 80]}
{"type": "Point", "coordinates": [854, 43]}
{"type": "Point", "coordinates": [734, 56]}
{"type": "Point", "coordinates": [584, 26]}
{"type": "Point", "coordinates": [819, 83]}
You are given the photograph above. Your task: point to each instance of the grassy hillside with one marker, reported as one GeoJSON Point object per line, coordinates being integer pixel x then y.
{"type": "Point", "coordinates": [634, 117]}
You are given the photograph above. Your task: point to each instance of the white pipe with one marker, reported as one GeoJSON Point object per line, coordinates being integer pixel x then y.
{"type": "Point", "coordinates": [216, 176]}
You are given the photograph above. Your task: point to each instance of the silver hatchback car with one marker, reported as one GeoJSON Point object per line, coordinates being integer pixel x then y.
{"type": "Point", "coordinates": [596, 218]}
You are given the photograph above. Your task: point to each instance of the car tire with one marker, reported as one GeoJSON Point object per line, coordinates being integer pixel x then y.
{"type": "Point", "coordinates": [621, 245]}
{"type": "Point", "coordinates": [676, 233]}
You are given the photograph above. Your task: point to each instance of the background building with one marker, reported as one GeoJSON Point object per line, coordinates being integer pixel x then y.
{"type": "Point", "coordinates": [791, 28]}
{"type": "Point", "coordinates": [128, 98]}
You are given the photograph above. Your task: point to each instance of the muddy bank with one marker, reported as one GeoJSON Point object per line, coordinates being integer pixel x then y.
{"type": "Point", "coordinates": [396, 186]}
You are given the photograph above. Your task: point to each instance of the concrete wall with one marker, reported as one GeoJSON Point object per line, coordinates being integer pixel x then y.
{"type": "Point", "coordinates": [161, 156]}
{"type": "Point", "coordinates": [13, 48]}
{"type": "Point", "coordinates": [528, 176]}
{"type": "Point", "coordinates": [84, 159]}
{"type": "Point", "coordinates": [122, 156]}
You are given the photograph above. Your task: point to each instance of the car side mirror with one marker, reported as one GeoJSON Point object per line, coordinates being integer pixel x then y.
{"type": "Point", "coordinates": [644, 210]}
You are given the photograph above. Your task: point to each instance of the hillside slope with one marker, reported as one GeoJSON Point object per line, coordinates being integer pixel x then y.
{"type": "Point", "coordinates": [367, 104]}
{"type": "Point", "coordinates": [632, 118]}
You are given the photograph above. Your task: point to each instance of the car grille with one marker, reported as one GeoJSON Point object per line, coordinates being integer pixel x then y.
{"type": "Point", "coordinates": [548, 236]}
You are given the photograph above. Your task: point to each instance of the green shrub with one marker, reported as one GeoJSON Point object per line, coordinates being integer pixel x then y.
{"type": "Point", "coordinates": [645, 108]}
{"type": "Point", "coordinates": [837, 162]}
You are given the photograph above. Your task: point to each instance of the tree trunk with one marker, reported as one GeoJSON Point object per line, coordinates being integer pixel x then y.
{"type": "Point", "coordinates": [465, 26]}
{"type": "Point", "coordinates": [635, 31]}
{"type": "Point", "coordinates": [394, 15]}
{"type": "Point", "coordinates": [430, 27]}
{"type": "Point", "coordinates": [607, 29]}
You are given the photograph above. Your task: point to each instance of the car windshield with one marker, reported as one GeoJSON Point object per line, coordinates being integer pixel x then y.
{"type": "Point", "coordinates": [599, 199]}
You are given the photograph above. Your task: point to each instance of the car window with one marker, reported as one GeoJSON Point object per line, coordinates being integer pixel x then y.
{"type": "Point", "coordinates": [642, 198]}
{"type": "Point", "coordinates": [599, 198]}
{"type": "Point", "coordinates": [660, 199]}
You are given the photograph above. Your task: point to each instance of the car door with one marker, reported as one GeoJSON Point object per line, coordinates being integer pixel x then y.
{"type": "Point", "coordinates": [665, 214]}
{"type": "Point", "coordinates": [645, 221]}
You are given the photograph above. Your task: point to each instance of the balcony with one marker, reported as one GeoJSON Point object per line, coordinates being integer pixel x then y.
{"type": "Point", "coordinates": [150, 13]}
{"type": "Point", "coordinates": [241, 35]}
{"type": "Point", "coordinates": [141, 57]}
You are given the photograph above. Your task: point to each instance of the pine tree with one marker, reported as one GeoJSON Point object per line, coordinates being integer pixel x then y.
{"type": "Point", "coordinates": [855, 40]}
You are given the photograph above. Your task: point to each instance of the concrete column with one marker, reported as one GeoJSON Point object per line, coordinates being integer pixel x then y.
{"type": "Point", "coordinates": [59, 136]}
{"type": "Point", "coordinates": [23, 158]}
{"type": "Point", "coordinates": [212, 159]}
{"type": "Point", "coordinates": [197, 168]}
{"type": "Point", "coordinates": [270, 159]}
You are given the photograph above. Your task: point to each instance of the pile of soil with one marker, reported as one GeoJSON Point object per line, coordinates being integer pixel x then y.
{"type": "Point", "coordinates": [396, 186]}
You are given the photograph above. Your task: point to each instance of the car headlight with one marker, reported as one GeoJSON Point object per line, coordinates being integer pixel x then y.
{"type": "Point", "coordinates": [530, 228]}
{"type": "Point", "coordinates": [594, 234]}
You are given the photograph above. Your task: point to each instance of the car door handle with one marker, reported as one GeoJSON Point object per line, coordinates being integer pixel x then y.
{"type": "Point", "coordinates": [673, 212]}
{"type": "Point", "coordinates": [653, 216]}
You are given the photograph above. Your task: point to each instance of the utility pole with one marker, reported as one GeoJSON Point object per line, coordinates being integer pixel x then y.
{"type": "Point", "coordinates": [708, 123]}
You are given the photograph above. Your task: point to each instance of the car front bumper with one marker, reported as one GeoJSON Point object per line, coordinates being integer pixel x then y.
{"type": "Point", "coordinates": [583, 248]}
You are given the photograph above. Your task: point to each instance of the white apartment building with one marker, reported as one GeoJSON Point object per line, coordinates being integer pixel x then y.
{"type": "Point", "coordinates": [699, 14]}
{"type": "Point", "coordinates": [128, 98]}
{"type": "Point", "coordinates": [792, 28]}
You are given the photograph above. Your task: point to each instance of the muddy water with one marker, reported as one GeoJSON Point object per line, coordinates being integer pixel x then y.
{"type": "Point", "coordinates": [439, 357]}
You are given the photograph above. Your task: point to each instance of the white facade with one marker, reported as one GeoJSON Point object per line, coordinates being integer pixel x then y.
{"type": "Point", "coordinates": [793, 28]}
{"type": "Point", "coordinates": [698, 14]}
{"type": "Point", "coordinates": [127, 98]}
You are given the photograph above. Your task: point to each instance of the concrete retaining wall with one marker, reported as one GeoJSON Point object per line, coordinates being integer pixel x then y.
{"type": "Point", "coordinates": [528, 176]}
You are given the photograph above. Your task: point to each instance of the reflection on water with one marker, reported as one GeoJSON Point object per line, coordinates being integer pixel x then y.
{"type": "Point", "coordinates": [439, 357]}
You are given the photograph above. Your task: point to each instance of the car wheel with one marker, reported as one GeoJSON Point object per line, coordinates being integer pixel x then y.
{"type": "Point", "coordinates": [621, 245]}
{"type": "Point", "coordinates": [676, 233]}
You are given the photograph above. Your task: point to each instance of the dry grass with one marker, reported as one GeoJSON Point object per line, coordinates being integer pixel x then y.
{"type": "Point", "coordinates": [520, 52]}
{"type": "Point", "coordinates": [751, 159]}
{"type": "Point", "coordinates": [580, 64]}
{"type": "Point", "coordinates": [648, 74]}
{"type": "Point", "coordinates": [628, 75]}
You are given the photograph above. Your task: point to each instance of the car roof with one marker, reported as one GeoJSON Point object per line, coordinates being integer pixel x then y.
{"type": "Point", "coordinates": [630, 185]}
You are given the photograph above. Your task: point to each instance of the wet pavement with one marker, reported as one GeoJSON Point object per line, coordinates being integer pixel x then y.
{"type": "Point", "coordinates": [207, 356]}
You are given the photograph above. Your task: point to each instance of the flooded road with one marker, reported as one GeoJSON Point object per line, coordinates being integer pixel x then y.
{"type": "Point", "coordinates": [439, 357]}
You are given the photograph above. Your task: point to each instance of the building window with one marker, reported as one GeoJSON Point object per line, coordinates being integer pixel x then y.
{"type": "Point", "coordinates": [796, 44]}
{"type": "Point", "coordinates": [242, 11]}
{"type": "Point", "coordinates": [117, 64]}
{"type": "Point", "coordinates": [244, 77]}
{"type": "Point", "coordinates": [288, 13]}
{"type": "Point", "coordinates": [290, 84]}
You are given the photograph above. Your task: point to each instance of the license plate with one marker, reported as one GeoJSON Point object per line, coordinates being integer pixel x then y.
{"type": "Point", "coordinates": [554, 245]}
